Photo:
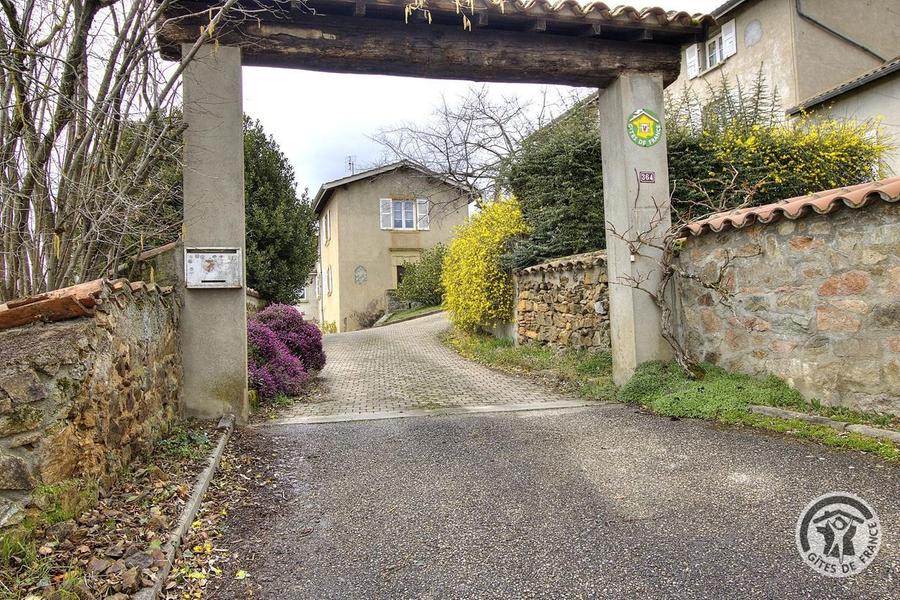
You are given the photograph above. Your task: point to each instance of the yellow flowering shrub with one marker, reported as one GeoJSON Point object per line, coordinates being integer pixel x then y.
{"type": "Point", "coordinates": [479, 290]}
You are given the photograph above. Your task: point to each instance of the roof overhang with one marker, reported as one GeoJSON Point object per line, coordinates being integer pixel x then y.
{"type": "Point", "coordinates": [327, 189]}
{"type": "Point", "coordinates": [534, 42]}
{"type": "Point", "coordinates": [869, 77]}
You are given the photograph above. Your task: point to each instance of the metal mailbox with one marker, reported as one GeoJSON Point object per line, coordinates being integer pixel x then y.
{"type": "Point", "coordinates": [213, 268]}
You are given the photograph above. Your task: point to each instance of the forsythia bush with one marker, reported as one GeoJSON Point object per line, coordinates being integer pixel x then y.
{"type": "Point", "coordinates": [478, 289]}
{"type": "Point", "coordinates": [422, 280]}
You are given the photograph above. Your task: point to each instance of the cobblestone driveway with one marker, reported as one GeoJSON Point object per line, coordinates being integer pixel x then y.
{"type": "Point", "coordinates": [405, 368]}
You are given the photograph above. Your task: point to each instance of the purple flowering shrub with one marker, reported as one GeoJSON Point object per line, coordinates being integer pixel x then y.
{"type": "Point", "coordinates": [272, 369]}
{"type": "Point", "coordinates": [302, 337]}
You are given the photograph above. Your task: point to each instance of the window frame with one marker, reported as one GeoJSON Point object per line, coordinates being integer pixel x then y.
{"type": "Point", "coordinates": [719, 53]}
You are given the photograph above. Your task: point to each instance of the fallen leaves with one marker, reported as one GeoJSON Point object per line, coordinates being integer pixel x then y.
{"type": "Point", "coordinates": [114, 548]}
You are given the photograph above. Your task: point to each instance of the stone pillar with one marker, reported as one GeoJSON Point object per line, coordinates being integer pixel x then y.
{"type": "Point", "coordinates": [214, 321]}
{"type": "Point", "coordinates": [630, 206]}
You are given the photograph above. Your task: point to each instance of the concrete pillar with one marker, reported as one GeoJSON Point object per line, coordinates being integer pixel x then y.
{"type": "Point", "coordinates": [214, 321]}
{"type": "Point", "coordinates": [630, 207]}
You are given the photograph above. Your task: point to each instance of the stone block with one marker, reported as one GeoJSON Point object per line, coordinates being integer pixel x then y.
{"type": "Point", "coordinates": [15, 474]}
{"type": "Point", "coordinates": [23, 387]}
{"type": "Point", "coordinates": [831, 318]}
{"type": "Point", "coordinates": [886, 316]}
{"type": "Point", "coordinates": [845, 284]}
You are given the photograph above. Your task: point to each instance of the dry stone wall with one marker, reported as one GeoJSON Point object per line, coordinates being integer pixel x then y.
{"type": "Point", "coordinates": [815, 301]}
{"type": "Point", "coordinates": [564, 303]}
{"type": "Point", "coordinates": [81, 397]}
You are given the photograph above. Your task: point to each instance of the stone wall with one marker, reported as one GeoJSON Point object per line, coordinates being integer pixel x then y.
{"type": "Point", "coordinates": [815, 301]}
{"type": "Point", "coordinates": [564, 303]}
{"type": "Point", "coordinates": [81, 397]}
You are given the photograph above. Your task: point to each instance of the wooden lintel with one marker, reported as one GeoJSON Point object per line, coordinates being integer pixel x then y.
{"type": "Point", "coordinates": [359, 10]}
{"type": "Point", "coordinates": [538, 26]}
{"type": "Point", "coordinates": [386, 47]}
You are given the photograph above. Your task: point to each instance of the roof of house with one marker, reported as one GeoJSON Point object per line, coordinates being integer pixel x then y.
{"type": "Point", "coordinates": [726, 8]}
{"type": "Point", "coordinates": [891, 67]}
{"type": "Point", "coordinates": [856, 196]}
{"type": "Point", "coordinates": [81, 300]}
{"type": "Point", "coordinates": [329, 187]}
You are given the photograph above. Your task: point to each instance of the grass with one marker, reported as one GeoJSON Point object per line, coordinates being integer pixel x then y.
{"type": "Point", "coordinates": [589, 374]}
{"type": "Point", "coordinates": [664, 389]}
{"type": "Point", "coordinates": [410, 313]}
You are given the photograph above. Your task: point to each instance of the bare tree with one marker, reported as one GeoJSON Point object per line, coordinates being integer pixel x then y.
{"type": "Point", "coordinates": [656, 240]}
{"type": "Point", "coordinates": [468, 137]}
{"type": "Point", "coordinates": [88, 123]}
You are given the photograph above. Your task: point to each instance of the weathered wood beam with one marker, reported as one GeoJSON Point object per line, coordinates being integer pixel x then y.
{"type": "Point", "coordinates": [538, 26]}
{"type": "Point", "coordinates": [640, 35]}
{"type": "Point", "coordinates": [384, 47]}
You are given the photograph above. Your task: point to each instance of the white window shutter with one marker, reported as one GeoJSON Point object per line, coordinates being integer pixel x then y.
{"type": "Point", "coordinates": [424, 220]}
{"type": "Point", "coordinates": [385, 206]}
{"type": "Point", "coordinates": [729, 39]}
{"type": "Point", "coordinates": [693, 61]}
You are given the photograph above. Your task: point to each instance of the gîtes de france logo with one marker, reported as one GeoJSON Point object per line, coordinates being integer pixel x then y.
{"type": "Point", "coordinates": [838, 534]}
{"type": "Point", "coordinates": [644, 127]}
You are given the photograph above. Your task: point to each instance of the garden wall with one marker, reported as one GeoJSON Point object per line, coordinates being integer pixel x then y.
{"type": "Point", "coordinates": [564, 303]}
{"type": "Point", "coordinates": [812, 298]}
{"type": "Point", "coordinates": [81, 396]}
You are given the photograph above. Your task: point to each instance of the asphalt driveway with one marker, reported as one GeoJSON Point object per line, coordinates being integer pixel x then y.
{"type": "Point", "coordinates": [598, 502]}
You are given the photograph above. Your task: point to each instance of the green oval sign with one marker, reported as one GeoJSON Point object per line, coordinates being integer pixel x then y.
{"type": "Point", "coordinates": [644, 128]}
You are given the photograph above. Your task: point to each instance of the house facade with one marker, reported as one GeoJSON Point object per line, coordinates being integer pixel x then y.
{"type": "Point", "coordinates": [871, 96]}
{"type": "Point", "coordinates": [802, 47]}
{"type": "Point", "coordinates": [371, 225]}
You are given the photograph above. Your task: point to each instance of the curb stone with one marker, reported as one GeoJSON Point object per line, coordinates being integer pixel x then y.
{"type": "Point", "coordinates": [780, 413]}
{"type": "Point", "coordinates": [226, 424]}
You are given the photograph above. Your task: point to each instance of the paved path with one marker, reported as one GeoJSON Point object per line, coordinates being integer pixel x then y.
{"type": "Point", "coordinates": [404, 369]}
{"type": "Point", "coordinates": [597, 502]}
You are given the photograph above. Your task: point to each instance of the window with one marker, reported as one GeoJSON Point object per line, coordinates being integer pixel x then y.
{"type": "Point", "coordinates": [329, 281]}
{"type": "Point", "coordinates": [703, 57]}
{"type": "Point", "coordinates": [714, 52]}
{"type": "Point", "coordinates": [404, 214]}
{"type": "Point", "coordinates": [326, 226]}
{"type": "Point", "coordinates": [401, 270]}
{"type": "Point", "coordinates": [301, 296]}
{"type": "Point", "coordinates": [314, 283]}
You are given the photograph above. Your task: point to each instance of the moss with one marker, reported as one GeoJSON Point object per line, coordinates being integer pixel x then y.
{"type": "Point", "coordinates": [666, 390]}
{"type": "Point", "coordinates": [25, 415]}
{"type": "Point", "coordinates": [65, 500]}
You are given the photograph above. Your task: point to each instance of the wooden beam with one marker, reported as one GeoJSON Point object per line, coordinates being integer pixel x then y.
{"type": "Point", "coordinates": [593, 29]}
{"type": "Point", "coordinates": [359, 10]}
{"type": "Point", "coordinates": [538, 26]}
{"type": "Point", "coordinates": [640, 35]}
{"type": "Point", "coordinates": [387, 47]}
{"type": "Point", "coordinates": [481, 18]}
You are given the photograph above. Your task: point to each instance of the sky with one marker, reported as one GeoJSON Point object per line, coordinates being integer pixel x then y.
{"type": "Point", "coordinates": [319, 119]}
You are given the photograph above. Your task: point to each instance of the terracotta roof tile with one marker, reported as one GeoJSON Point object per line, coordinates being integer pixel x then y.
{"type": "Point", "coordinates": [583, 261]}
{"type": "Point", "coordinates": [560, 11]}
{"type": "Point", "coordinates": [80, 300]}
{"type": "Point", "coordinates": [856, 196]}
